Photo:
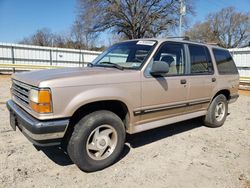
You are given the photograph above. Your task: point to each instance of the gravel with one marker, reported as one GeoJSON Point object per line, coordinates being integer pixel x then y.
{"type": "Point", "coordinates": [185, 154]}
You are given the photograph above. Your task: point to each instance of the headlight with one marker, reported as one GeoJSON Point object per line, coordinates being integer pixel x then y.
{"type": "Point", "coordinates": [40, 100]}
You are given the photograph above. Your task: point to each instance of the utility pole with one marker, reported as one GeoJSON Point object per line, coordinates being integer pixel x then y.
{"type": "Point", "coordinates": [182, 13]}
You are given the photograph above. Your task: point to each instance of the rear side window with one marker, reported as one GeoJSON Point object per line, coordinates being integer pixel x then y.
{"type": "Point", "coordinates": [224, 62]}
{"type": "Point", "coordinates": [200, 60]}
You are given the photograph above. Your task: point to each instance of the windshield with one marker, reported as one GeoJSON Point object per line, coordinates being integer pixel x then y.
{"type": "Point", "coordinates": [126, 55]}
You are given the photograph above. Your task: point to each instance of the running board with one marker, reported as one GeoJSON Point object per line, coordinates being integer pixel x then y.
{"type": "Point", "coordinates": [167, 121]}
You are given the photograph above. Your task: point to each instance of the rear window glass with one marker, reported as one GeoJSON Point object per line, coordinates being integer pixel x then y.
{"type": "Point", "coordinates": [224, 61]}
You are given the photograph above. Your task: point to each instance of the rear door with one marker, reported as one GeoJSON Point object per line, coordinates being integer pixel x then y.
{"type": "Point", "coordinates": [201, 79]}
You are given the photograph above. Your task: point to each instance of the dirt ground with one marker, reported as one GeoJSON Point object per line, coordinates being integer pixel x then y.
{"type": "Point", "coordinates": [185, 154]}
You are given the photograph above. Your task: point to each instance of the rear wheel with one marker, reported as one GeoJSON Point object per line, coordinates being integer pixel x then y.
{"type": "Point", "coordinates": [217, 112]}
{"type": "Point", "coordinates": [97, 140]}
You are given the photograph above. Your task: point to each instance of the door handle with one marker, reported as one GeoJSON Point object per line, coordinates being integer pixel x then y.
{"type": "Point", "coordinates": [183, 81]}
{"type": "Point", "coordinates": [213, 79]}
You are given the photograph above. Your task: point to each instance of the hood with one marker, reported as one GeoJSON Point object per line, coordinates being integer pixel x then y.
{"type": "Point", "coordinates": [75, 76]}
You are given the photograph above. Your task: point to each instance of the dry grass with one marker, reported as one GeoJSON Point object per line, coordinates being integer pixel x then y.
{"type": "Point", "coordinates": [244, 92]}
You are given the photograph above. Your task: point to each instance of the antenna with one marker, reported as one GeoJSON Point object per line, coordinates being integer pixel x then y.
{"type": "Point", "coordinates": [182, 13]}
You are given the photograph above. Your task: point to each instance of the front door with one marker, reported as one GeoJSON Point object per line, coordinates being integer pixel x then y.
{"type": "Point", "coordinates": [166, 96]}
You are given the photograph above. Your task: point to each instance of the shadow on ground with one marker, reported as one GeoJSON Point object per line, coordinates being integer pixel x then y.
{"type": "Point", "coordinates": [153, 135]}
{"type": "Point", "coordinates": [60, 157]}
{"type": "Point", "coordinates": [56, 154]}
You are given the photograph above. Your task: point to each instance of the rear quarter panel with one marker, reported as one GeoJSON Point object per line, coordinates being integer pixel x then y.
{"type": "Point", "coordinates": [227, 82]}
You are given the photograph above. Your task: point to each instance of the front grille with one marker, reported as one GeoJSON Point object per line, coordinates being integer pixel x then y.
{"type": "Point", "coordinates": [20, 92]}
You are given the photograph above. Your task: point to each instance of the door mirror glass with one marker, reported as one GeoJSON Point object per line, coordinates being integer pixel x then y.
{"type": "Point", "coordinates": [159, 68]}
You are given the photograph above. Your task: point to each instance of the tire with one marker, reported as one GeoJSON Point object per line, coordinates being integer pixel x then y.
{"type": "Point", "coordinates": [217, 112]}
{"type": "Point", "coordinates": [96, 133]}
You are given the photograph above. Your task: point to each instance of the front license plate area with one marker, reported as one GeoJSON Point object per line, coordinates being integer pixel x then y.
{"type": "Point", "coordinates": [13, 121]}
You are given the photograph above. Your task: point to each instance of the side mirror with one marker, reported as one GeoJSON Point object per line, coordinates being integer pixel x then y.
{"type": "Point", "coordinates": [159, 68]}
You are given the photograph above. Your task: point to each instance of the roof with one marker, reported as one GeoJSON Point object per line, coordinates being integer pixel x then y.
{"type": "Point", "coordinates": [179, 39]}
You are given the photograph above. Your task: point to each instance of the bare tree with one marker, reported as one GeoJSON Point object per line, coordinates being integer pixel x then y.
{"type": "Point", "coordinates": [227, 27]}
{"type": "Point", "coordinates": [59, 40]}
{"type": "Point", "coordinates": [82, 34]}
{"type": "Point", "coordinates": [42, 37]}
{"type": "Point", "coordinates": [202, 32]}
{"type": "Point", "coordinates": [130, 18]}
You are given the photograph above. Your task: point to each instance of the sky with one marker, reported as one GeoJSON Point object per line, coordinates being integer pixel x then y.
{"type": "Point", "coordinates": [204, 7]}
{"type": "Point", "coordinates": [22, 18]}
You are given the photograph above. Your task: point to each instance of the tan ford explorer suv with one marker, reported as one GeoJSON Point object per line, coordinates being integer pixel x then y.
{"type": "Point", "coordinates": [133, 86]}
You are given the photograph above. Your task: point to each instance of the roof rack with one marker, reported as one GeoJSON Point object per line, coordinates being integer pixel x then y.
{"type": "Point", "coordinates": [183, 38]}
{"type": "Point", "coordinates": [213, 43]}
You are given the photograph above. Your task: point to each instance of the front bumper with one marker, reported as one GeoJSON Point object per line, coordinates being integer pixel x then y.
{"type": "Point", "coordinates": [42, 133]}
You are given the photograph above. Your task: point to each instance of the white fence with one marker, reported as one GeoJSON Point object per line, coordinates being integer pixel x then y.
{"type": "Point", "coordinates": [29, 57]}
{"type": "Point", "coordinates": [242, 59]}
{"type": "Point", "coordinates": [12, 55]}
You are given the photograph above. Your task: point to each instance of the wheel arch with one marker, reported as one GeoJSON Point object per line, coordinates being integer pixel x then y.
{"type": "Point", "coordinates": [116, 106]}
{"type": "Point", "coordinates": [225, 92]}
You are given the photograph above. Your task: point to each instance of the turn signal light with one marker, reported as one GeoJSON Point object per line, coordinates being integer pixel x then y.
{"type": "Point", "coordinates": [40, 100]}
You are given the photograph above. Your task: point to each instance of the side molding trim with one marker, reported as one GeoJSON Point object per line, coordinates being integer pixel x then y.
{"type": "Point", "coordinates": [168, 107]}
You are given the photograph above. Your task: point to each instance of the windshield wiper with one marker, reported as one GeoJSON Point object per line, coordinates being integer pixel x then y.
{"type": "Point", "coordinates": [112, 65]}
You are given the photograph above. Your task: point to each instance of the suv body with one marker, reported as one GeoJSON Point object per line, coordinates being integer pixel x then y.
{"type": "Point", "coordinates": [143, 84]}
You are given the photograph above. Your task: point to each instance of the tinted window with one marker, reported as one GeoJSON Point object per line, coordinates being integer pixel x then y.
{"type": "Point", "coordinates": [200, 60]}
{"type": "Point", "coordinates": [173, 55]}
{"type": "Point", "coordinates": [224, 62]}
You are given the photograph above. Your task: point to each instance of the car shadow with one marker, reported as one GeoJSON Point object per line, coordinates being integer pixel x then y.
{"type": "Point", "coordinates": [153, 135]}
{"type": "Point", "coordinates": [56, 154]}
{"type": "Point", "coordinates": [59, 156]}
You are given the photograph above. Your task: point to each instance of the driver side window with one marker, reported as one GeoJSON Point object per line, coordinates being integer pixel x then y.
{"type": "Point", "coordinates": [173, 55]}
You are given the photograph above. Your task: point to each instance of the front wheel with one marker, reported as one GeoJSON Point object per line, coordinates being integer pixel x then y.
{"type": "Point", "coordinates": [217, 112]}
{"type": "Point", "coordinates": [97, 140]}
